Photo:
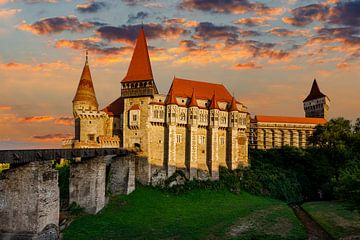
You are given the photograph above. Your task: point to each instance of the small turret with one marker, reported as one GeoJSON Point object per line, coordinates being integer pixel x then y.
{"type": "Point", "coordinates": [193, 110]}
{"type": "Point", "coordinates": [171, 107]}
{"type": "Point", "coordinates": [214, 112]}
{"type": "Point", "coordinates": [233, 114]}
{"type": "Point", "coordinates": [85, 98]}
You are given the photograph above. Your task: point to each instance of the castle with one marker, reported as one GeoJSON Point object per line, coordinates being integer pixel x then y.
{"type": "Point", "coordinates": [196, 127]}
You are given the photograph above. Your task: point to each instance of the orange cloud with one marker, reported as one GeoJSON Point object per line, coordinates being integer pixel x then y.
{"type": "Point", "coordinates": [64, 121]}
{"type": "Point", "coordinates": [254, 21]}
{"type": "Point", "coordinates": [52, 137]}
{"type": "Point", "coordinates": [8, 12]}
{"type": "Point", "coordinates": [282, 32]}
{"type": "Point", "coordinates": [56, 25]}
{"type": "Point", "coordinates": [346, 66]}
{"type": "Point", "coordinates": [249, 65]}
{"type": "Point", "coordinates": [37, 67]}
{"type": "Point", "coordinates": [5, 107]}
{"type": "Point", "coordinates": [36, 119]}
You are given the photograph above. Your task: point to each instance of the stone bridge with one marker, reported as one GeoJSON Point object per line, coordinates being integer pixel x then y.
{"type": "Point", "coordinates": [29, 191]}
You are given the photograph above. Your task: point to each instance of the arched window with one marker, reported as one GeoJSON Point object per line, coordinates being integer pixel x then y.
{"type": "Point", "coordinates": [182, 116]}
{"type": "Point", "coordinates": [156, 114]}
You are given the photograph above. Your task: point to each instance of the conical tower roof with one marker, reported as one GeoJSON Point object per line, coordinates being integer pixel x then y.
{"type": "Point", "coordinates": [233, 106]}
{"type": "Point", "coordinates": [193, 102]}
{"type": "Point", "coordinates": [140, 66]}
{"type": "Point", "coordinates": [171, 99]}
{"type": "Point", "coordinates": [214, 104]}
{"type": "Point", "coordinates": [85, 92]}
{"type": "Point", "coordinates": [315, 92]}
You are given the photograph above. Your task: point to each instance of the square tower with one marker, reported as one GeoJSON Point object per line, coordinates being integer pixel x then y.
{"type": "Point", "coordinates": [316, 104]}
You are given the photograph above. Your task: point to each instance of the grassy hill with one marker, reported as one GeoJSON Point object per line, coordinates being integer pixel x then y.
{"type": "Point", "coordinates": [150, 213]}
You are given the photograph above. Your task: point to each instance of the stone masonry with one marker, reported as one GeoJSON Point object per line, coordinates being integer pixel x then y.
{"type": "Point", "coordinates": [87, 184]}
{"type": "Point", "coordinates": [29, 202]}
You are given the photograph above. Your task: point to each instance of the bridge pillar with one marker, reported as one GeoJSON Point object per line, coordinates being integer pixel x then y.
{"type": "Point", "coordinates": [87, 184]}
{"type": "Point", "coordinates": [122, 176]}
{"type": "Point", "coordinates": [29, 202]}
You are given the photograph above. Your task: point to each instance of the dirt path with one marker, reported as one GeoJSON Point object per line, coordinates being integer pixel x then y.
{"type": "Point", "coordinates": [313, 229]}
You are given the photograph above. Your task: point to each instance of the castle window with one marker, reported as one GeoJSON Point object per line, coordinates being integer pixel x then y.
{"type": "Point", "coordinates": [222, 140]}
{"type": "Point", "coordinates": [156, 114]}
{"type": "Point", "coordinates": [182, 116]}
{"type": "Point", "coordinates": [134, 118]}
{"type": "Point", "coordinates": [91, 137]}
{"type": "Point", "coordinates": [201, 139]}
{"type": "Point", "coordinates": [178, 138]}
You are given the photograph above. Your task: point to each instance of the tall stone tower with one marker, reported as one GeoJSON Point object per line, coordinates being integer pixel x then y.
{"type": "Point", "coordinates": [139, 80]}
{"type": "Point", "coordinates": [90, 123]}
{"type": "Point", "coordinates": [316, 104]}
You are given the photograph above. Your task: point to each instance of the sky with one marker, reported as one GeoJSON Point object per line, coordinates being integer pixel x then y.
{"type": "Point", "coordinates": [266, 53]}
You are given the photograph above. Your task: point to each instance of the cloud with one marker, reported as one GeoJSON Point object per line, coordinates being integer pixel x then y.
{"type": "Point", "coordinates": [128, 33]}
{"type": "Point", "coordinates": [39, 1]}
{"type": "Point", "coordinates": [346, 13]}
{"type": "Point", "coordinates": [181, 21]}
{"type": "Point", "coordinates": [90, 7]}
{"type": "Point", "coordinates": [36, 67]}
{"type": "Point", "coordinates": [53, 25]}
{"type": "Point", "coordinates": [92, 45]}
{"type": "Point", "coordinates": [8, 12]}
{"type": "Point", "coordinates": [283, 32]}
{"type": "Point", "coordinates": [36, 119]}
{"type": "Point", "coordinates": [347, 66]}
{"type": "Point", "coordinates": [52, 137]}
{"type": "Point", "coordinates": [139, 16]}
{"type": "Point", "coordinates": [305, 15]}
{"type": "Point", "coordinates": [64, 121]}
{"type": "Point", "coordinates": [208, 31]}
{"type": "Point", "coordinates": [229, 6]}
{"type": "Point", "coordinates": [249, 65]}
{"type": "Point", "coordinates": [5, 107]}
{"type": "Point", "coordinates": [253, 21]}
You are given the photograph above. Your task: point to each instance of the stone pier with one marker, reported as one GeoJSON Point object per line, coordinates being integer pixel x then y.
{"type": "Point", "coordinates": [87, 184]}
{"type": "Point", "coordinates": [122, 175]}
{"type": "Point", "coordinates": [29, 202]}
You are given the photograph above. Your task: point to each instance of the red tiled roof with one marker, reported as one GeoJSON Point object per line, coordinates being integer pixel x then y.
{"type": "Point", "coordinates": [171, 99]}
{"type": "Point", "coordinates": [140, 66]}
{"type": "Point", "coordinates": [283, 119]}
{"type": "Point", "coordinates": [135, 107]}
{"type": "Point", "coordinates": [115, 108]}
{"type": "Point", "coordinates": [315, 92]}
{"type": "Point", "coordinates": [85, 91]}
{"type": "Point", "coordinates": [204, 90]}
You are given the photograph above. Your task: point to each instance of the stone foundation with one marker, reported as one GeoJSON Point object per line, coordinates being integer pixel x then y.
{"type": "Point", "coordinates": [29, 202]}
{"type": "Point", "coordinates": [87, 184]}
{"type": "Point", "coordinates": [122, 176]}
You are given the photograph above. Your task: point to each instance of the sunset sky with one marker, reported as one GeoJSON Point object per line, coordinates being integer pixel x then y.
{"type": "Point", "coordinates": [266, 53]}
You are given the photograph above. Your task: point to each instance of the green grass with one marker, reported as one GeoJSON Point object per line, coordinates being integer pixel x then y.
{"type": "Point", "coordinates": [335, 217]}
{"type": "Point", "coordinates": [150, 213]}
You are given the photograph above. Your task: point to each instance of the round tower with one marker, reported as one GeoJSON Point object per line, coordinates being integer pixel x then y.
{"type": "Point", "coordinates": [85, 98]}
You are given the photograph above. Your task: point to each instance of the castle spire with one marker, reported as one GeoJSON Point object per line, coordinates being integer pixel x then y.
{"type": "Point", "coordinates": [315, 92]}
{"type": "Point", "coordinates": [233, 106]}
{"type": "Point", "coordinates": [140, 66]}
{"type": "Point", "coordinates": [214, 104]}
{"type": "Point", "coordinates": [193, 102]}
{"type": "Point", "coordinates": [85, 93]}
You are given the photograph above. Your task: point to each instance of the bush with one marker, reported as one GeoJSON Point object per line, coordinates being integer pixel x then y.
{"type": "Point", "coordinates": [268, 180]}
{"type": "Point", "coordinates": [64, 175]}
{"type": "Point", "coordinates": [347, 186]}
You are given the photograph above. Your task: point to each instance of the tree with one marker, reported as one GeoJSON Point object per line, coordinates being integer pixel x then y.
{"type": "Point", "coordinates": [357, 126]}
